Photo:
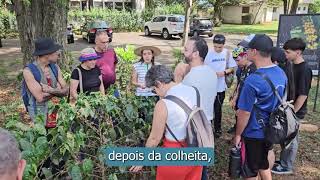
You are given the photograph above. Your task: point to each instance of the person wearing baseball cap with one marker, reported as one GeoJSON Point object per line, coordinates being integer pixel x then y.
{"type": "Point", "coordinates": [43, 78]}
{"type": "Point", "coordinates": [86, 78]}
{"type": "Point", "coordinates": [256, 103]}
{"type": "Point", "coordinates": [245, 68]}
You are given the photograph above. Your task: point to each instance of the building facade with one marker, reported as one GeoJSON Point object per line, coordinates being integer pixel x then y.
{"type": "Point", "coordinates": [254, 12]}
{"type": "Point", "coordinates": [137, 5]}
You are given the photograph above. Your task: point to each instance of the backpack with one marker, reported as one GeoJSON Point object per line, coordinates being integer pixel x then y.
{"type": "Point", "coordinates": [199, 130]}
{"type": "Point", "coordinates": [283, 124]}
{"type": "Point", "coordinates": [37, 76]}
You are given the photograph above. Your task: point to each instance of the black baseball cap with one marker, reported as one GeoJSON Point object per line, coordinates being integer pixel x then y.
{"type": "Point", "coordinates": [261, 42]}
{"type": "Point", "coordinates": [219, 39]}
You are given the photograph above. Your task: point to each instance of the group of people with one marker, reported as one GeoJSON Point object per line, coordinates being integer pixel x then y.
{"type": "Point", "coordinates": [253, 100]}
{"type": "Point", "coordinates": [205, 70]}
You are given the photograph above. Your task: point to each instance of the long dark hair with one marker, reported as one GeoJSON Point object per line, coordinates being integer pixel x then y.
{"type": "Point", "coordinates": [142, 60]}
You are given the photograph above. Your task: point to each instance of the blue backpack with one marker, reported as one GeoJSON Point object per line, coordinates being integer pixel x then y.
{"type": "Point", "coordinates": [37, 76]}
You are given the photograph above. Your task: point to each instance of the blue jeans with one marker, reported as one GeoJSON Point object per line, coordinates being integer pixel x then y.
{"type": "Point", "coordinates": [288, 156]}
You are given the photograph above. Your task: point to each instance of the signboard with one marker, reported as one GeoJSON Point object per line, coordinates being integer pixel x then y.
{"type": "Point", "coordinates": [307, 27]}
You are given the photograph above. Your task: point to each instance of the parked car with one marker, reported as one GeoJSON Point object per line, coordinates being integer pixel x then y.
{"type": "Point", "coordinates": [201, 26]}
{"type": "Point", "coordinates": [166, 25]}
{"type": "Point", "coordinates": [89, 29]}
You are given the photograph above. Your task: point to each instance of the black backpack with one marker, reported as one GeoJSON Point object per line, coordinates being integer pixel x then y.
{"type": "Point", "coordinates": [283, 125]}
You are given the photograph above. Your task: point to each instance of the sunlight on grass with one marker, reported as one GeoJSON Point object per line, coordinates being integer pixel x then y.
{"type": "Point", "coordinates": [266, 28]}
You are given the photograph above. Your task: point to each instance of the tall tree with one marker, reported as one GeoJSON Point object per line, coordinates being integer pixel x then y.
{"type": "Point", "coordinates": [40, 18]}
{"type": "Point", "coordinates": [188, 7]}
{"type": "Point", "coordinates": [294, 6]}
{"type": "Point", "coordinates": [217, 16]}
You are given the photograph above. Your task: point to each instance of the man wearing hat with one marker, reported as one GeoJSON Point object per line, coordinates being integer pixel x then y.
{"type": "Point", "coordinates": [43, 79]}
{"type": "Point", "coordinates": [245, 68]}
{"type": "Point", "coordinates": [255, 104]}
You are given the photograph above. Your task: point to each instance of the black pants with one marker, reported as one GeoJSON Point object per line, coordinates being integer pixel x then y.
{"type": "Point", "coordinates": [218, 110]}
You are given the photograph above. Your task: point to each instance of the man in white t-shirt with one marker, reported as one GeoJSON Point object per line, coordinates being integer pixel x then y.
{"type": "Point", "coordinates": [218, 58]}
{"type": "Point", "coordinates": [196, 74]}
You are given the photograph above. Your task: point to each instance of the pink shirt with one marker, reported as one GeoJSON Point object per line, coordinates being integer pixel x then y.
{"type": "Point", "coordinates": [107, 64]}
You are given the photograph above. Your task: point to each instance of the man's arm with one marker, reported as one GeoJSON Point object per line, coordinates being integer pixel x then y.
{"type": "Point", "coordinates": [242, 121]}
{"type": "Point", "coordinates": [246, 102]}
{"type": "Point", "coordinates": [62, 88]}
{"type": "Point", "coordinates": [34, 87]}
{"type": "Point", "coordinates": [299, 102]}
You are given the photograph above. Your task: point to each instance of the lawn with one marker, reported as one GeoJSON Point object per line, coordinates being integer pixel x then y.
{"type": "Point", "coordinates": [266, 28]}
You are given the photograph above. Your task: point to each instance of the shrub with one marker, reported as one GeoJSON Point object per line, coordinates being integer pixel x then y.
{"type": "Point", "coordinates": [8, 24]}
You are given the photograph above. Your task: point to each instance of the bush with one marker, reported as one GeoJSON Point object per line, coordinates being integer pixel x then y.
{"type": "Point", "coordinates": [315, 7]}
{"type": "Point", "coordinates": [8, 24]}
{"type": "Point", "coordinates": [121, 21]}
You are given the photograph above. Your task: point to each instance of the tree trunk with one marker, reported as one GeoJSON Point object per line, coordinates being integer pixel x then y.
{"type": "Point", "coordinates": [294, 6]}
{"type": "Point", "coordinates": [285, 6]}
{"type": "Point", "coordinates": [0, 43]}
{"type": "Point", "coordinates": [217, 16]}
{"type": "Point", "coordinates": [40, 18]}
{"type": "Point", "coordinates": [186, 21]}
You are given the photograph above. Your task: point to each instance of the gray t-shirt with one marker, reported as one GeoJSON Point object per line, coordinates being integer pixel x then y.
{"type": "Point", "coordinates": [205, 80]}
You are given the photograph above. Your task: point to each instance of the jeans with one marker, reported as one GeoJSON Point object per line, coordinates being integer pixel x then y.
{"type": "Point", "coordinates": [218, 110]}
{"type": "Point", "coordinates": [288, 156]}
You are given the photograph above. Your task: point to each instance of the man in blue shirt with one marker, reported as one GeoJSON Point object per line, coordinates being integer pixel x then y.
{"type": "Point", "coordinates": [256, 102]}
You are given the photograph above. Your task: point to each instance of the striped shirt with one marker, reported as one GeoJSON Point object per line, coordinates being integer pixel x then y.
{"type": "Point", "coordinates": [142, 69]}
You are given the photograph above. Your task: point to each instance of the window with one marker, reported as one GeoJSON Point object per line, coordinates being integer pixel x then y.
{"type": "Point", "coordinates": [175, 19]}
{"type": "Point", "coordinates": [162, 18]}
{"type": "Point", "coordinates": [304, 8]}
{"type": "Point", "coordinates": [97, 4]}
{"type": "Point", "coordinates": [118, 6]}
{"type": "Point", "coordinates": [128, 6]}
{"type": "Point", "coordinates": [299, 8]}
{"type": "Point", "coordinates": [155, 19]}
{"type": "Point", "coordinates": [108, 5]}
{"type": "Point", "coordinates": [275, 9]}
{"type": "Point", "coordinates": [245, 9]}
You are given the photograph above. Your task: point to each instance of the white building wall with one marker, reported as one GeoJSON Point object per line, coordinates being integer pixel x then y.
{"type": "Point", "coordinates": [232, 14]}
{"type": "Point", "coordinates": [302, 8]}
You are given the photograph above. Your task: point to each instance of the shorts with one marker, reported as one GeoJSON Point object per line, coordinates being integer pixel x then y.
{"type": "Point", "coordinates": [256, 154]}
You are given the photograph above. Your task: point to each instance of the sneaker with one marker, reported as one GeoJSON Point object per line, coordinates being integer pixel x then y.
{"type": "Point", "coordinates": [276, 163]}
{"type": "Point", "coordinates": [217, 133]}
{"type": "Point", "coordinates": [278, 169]}
{"type": "Point", "coordinates": [232, 130]}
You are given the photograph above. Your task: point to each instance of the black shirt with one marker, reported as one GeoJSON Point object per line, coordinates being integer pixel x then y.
{"type": "Point", "coordinates": [90, 79]}
{"type": "Point", "coordinates": [302, 78]}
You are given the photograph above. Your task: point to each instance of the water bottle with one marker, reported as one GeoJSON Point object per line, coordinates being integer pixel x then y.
{"type": "Point", "coordinates": [234, 163]}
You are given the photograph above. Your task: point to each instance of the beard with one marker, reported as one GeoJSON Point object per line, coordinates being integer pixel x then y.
{"type": "Point", "coordinates": [187, 59]}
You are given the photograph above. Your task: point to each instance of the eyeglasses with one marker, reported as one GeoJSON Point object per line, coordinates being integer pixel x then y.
{"type": "Point", "coordinates": [153, 90]}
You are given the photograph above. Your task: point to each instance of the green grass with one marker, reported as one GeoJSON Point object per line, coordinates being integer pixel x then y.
{"type": "Point", "coordinates": [267, 28]}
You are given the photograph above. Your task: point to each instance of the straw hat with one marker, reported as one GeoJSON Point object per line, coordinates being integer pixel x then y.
{"type": "Point", "coordinates": [156, 51]}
